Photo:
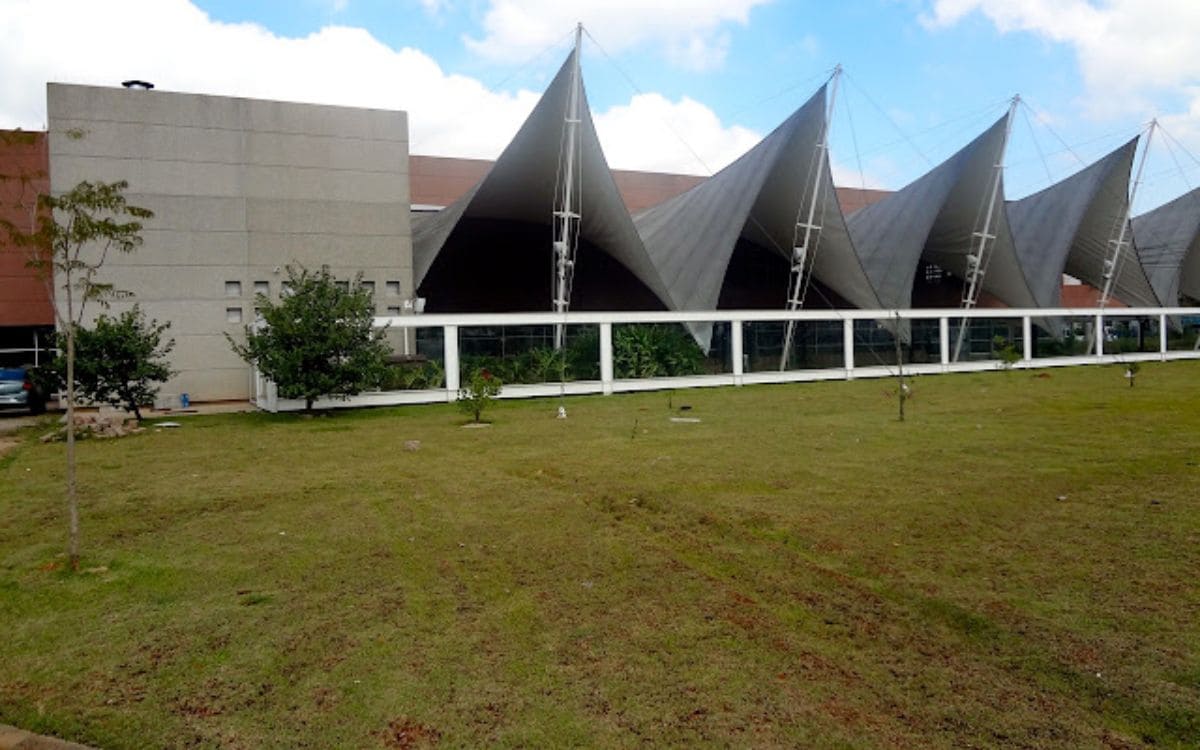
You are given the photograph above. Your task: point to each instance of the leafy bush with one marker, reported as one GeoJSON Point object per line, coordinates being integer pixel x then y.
{"type": "Point", "coordinates": [1007, 351]}
{"type": "Point", "coordinates": [654, 351]}
{"type": "Point", "coordinates": [120, 361]}
{"type": "Point", "coordinates": [639, 351]}
{"type": "Point", "coordinates": [414, 376]}
{"type": "Point", "coordinates": [478, 393]}
{"type": "Point", "coordinates": [319, 340]}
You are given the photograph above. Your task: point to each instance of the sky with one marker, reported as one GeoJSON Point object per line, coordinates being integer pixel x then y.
{"type": "Point", "coordinates": [675, 85]}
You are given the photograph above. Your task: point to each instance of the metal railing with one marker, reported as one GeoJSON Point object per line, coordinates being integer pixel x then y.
{"type": "Point", "coordinates": [1092, 320]}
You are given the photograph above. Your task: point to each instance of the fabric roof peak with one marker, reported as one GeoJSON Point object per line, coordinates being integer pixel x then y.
{"type": "Point", "coordinates": [520, 187]}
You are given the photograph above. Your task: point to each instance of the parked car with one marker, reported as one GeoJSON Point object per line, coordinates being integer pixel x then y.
{"type": "Point", "coordinates": [19, 391]}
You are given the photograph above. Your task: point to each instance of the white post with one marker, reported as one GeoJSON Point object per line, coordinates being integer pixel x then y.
{"type": "Point", "coordinates": [735, 343]}
{"type": "Point", "coordinates": [606, 359]}
{"type": "Point", "coordinates": [1099, 334]}
{"type": "Point", "coordinates": [566, 214]}
{"type": "Point", "coordinates": [1162, 336]}
{"type": "Point", "coordinates": [1027, 336]}
{"type": "Point", "coordinates": [982, 254]}
{"type": "Point", "coordinates": [450, 357]}
{"type": "Point", "coordinates": [944, 340]}
{"type": "Point", "coordinates": [848, 346]}
{"type": "Point", "coordinates": [1112, 263]}
{"type": "Point", "coordinates": [802, 250]}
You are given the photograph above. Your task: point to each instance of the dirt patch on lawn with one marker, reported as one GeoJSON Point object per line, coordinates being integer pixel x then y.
{"type": "Point", "coordinates": [406, 734]}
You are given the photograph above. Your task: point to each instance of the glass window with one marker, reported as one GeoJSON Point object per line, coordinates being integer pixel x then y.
{"type": "Point", "coordinates": [369, 286]}
{"type": "Point", "coordinates": [233, 289]}
{"type": "Point", "coordinates": [233, 315]}
{"type": "Point", "coordinates": [393, 310]}
{"type": "Point", "coordinates": [393, 288]}
{"type": "Point", "coordinates": [263, 288]}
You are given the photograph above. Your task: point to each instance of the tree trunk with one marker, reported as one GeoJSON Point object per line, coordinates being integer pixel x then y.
{"type": "Point", "coordinates": [72, 499]}
{"type": "Point", "coordinates": [308, 404]}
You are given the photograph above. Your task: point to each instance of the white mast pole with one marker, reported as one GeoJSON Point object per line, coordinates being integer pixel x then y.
{"type": "Point", "coordinates": [800, 250]}
{"type": "Point", "coordinates": [1112, 264]}
{"type": "Point", "coordinates": [566, 214]}
{"type": "Point", "coordinates": [978, 259]}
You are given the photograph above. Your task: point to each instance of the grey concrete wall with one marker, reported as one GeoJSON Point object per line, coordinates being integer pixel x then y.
{"type": "Point", "coordinates": [240, 188]}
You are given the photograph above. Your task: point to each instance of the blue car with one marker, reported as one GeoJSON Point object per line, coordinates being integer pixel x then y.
{"type": "Point", "coordinates": [18, 391]}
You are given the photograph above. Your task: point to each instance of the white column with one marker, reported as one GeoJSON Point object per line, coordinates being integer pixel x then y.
{"type": "Point", "coordinates": [1099, 334]}
{"type": "Point", "coordinates": [1162, 336]}
{"type": "Point", "coordinates": [848, 346]}
{"type": "Point", "coordinates": [606, 358]}
{"type": "Point", "coordinates": [944, 340]}
{"type": "Point", "coordinates": [450, 356]}
{"type": "Point", "coordinates": [1027, 336]}
{"type": "Point", "coordinates": [735, 343]}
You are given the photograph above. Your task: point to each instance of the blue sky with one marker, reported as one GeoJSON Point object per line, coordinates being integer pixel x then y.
{"type": "Point", "coordinates": [710, 76]}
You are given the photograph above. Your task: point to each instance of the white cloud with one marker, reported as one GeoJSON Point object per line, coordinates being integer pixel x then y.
{"type": "Point", "coordinates": [656, 134]}
{"type": "Point", "coordinates": [179, 48]}
{"type": "Point", "coordinates": [1129, 51]}
{"type": "Point", "coordinates": [690, 32]}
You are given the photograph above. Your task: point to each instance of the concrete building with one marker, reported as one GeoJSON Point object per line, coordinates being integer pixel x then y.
{"type": "Point", "coordinates": [240, 188]}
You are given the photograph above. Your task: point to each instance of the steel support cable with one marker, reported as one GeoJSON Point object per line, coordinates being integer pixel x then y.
{"type": "Point", "coordinates": [886, 116]}
{"type": "Point", "coordinates": [1123, 133]}
{"type": "Point", "coordinates": [1174, 159]}
{"type": "Point", "coordinates": [971, 115]}
{"type": "Point", "coordinates": [798, 85]}
{"type": "Point", "coordinates": [1036, 146]}
{"type": "Point", "coordinates": [1179, 144]}
{"type": "Point", "coordinates": [638, 90]}
{"type": "Point", "coordinates": [862, 175]}
{"type": "Point", "coordinates": [521, 68]}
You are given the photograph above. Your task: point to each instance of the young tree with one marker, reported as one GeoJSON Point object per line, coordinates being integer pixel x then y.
{"type": "Point", "coordinates": [318, 340]}
{"type": "Point", "coordinates": [479, 392]}
{"type": "Point", "coordinates": [120, 361]}
{"type": "Point", "coordinates": [69, 238]}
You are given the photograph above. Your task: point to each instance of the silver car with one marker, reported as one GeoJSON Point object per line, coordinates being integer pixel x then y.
{"type": "Point", "coordinates": [18, 391]}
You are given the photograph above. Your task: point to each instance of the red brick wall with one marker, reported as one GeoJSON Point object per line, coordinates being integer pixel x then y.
{"type": "Point", "coordinates": [439, 180]}
{"type": "Point", "coordinates": [24, 174]}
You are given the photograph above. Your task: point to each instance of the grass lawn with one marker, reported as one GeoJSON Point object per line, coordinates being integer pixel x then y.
{"type": "Point", "coordinates": [1016, 565]}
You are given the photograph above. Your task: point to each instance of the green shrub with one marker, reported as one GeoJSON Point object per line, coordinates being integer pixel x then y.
{"type": "Point", "coordinates": [478, 393]}
{"type": "Point", "coordinates": [1007, 351]}
{"type": "Point", "coordinates": [413, 376]}
{"type": "Point", "coordinates": [655, 351]}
